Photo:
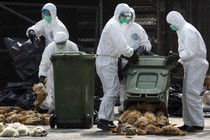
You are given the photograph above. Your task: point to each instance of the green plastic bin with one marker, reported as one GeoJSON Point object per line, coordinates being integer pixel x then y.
{"type": "Point", "coordinates": [74, 76]}
{"type": "Point", "coordinates": [148, 81]}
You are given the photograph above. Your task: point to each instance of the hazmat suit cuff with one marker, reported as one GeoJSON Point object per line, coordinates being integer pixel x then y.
{"type": "Point", "coordinates": [180, 61]}
{"type": "Point", "coordinates": [42, 79]}
{"type": "Point", "coordinates": [132, 51]}
{"type": "Point", "coordinates": [28, 30]}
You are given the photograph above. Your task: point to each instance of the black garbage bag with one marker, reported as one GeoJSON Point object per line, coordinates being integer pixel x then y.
{"type": "Point", "coordinates": [26, 101]}
{"type": "Point", "coordinates": [175, 104]}
{"type": "Point", "coordinates": [26, 58]}
{"type": "Point", "coordinates": [98, 87]}
{"type": "Point", "coordinates": [18, 94]}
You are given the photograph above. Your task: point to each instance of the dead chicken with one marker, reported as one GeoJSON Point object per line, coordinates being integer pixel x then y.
{"type": "Point", "coordinates": [128, 129]}
{"type": "Point", "coordinates": [41, 95]}
{"type": "Point", "coordinates": [140, 131]}
{"type": "Point", "coordinates": [171, 130]}
{"type": "Point", "coordinates": [124, 117]}
{"type": "Point", "coordinates": [207, 81]}
{"type": "Point", "coordinates": [151, 129]}
{"type": "Point", "coordinates": [133, 116]}
{"type": "Point", "coordinates": [150, 117]}
{"type": "Point", "coordinates": [9, 132]}
{"type": "Point", "coordinates": [141, 122]}
{"type": "Point", "coordinates": [162, 121]}
{"type": "Point", "coordinates": [2, 118]}
{"type": "Point", "coordinates": [2, 126]}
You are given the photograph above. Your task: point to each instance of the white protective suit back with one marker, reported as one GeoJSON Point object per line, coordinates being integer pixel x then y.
{"type": "Point", "coordinates": [48, 30]}
{"type": "Point", "coordinates": [60, 37]}
{"type": "Point", "coordinates": [192, 52]}
{"type": "Point", "coordinates": [135, 35]}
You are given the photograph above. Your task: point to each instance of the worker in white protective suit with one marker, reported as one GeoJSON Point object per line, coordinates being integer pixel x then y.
{"type": "Point", "coordinates": [135, 35]}
{"type": "Point", "coordinates": [112, 44]}
{"type": "Point", "coordinates": [49, 25]}
{"type": "Point", "coordinates": [60, 44]}
{"type": "Point", "coordinates": [192, 53]}
{"type": "Point", "coordinates": [137, 38]}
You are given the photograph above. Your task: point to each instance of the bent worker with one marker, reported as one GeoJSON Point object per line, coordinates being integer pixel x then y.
{"type": "Point", "coordinates": [60, 44]}
{"type": "Point", "coordinates": [192, 53]}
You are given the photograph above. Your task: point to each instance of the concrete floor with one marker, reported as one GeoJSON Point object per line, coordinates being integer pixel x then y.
{"type": "Point", "coordinates": [94, 134]}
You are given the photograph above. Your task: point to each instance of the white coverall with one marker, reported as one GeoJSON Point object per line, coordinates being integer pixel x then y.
{"type": "Point", "coordinates": [46, 68]}
{"type": "Point", "coordinates": [48, 30]}
{"type": "Point", "coordinates": [111, 45]}
{"type": "Point", "coordinates": [135, 37]}
{"type": "Point", "coordinates": [192, 53]}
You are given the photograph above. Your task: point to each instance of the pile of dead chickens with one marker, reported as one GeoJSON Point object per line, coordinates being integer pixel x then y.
{"type": "Point", "coordinates": [11, 114]}
{"type": "Point", "coordinates": [145, 119]}
{"type": "Point", "coordinates": [28, 117]}
{"type": "Point", "coordinates": [17, 130]}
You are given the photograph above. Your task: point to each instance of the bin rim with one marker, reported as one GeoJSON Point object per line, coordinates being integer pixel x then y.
{"type": "Point", "coordinates": [73, 54]}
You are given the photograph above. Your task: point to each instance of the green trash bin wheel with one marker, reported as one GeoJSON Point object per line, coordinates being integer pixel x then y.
{"type": "Point", "coordinates": [89, 121]}
{"type": "Point", "coordinates": [52, 121]}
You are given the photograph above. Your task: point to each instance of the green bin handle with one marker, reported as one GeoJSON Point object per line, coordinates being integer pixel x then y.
{"type": "Point", "coordinates": [164, 73]}
{"type": "Point", "coordinates": [73, 52]}
{"type": "Point", "coordinates": [132, 72]}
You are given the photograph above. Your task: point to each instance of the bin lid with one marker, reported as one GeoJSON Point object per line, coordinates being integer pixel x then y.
{"type": "Point", "coordinates": [147, 81]}
{"type": "Point", "coordinates": [152, 60]}
{"type": "Point", "coordinates": [149, 76]}
{"type": "Point", "coordinates": [71, 54]}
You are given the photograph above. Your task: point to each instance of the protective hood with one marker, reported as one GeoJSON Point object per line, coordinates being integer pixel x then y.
{"type": "Point", "coordinates": [175, 18]}
{"type": "Point", "coordinates": [122, 7]}
{"type": "Point", "coordinates": [60, 37]}
{"type": "Point", "coordinates": [53, 10]}
{"type": "Point", "coordinates": [133, 14]}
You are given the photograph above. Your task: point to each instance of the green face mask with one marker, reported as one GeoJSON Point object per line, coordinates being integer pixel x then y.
{"type": "Point", "coordinates": [123, 20]}
{"type": "Point", "coordinates": [60, 46]}
{"type": "Point", "coordinates": [174, 28]}
{"type": "Point", "coordinates": [48, 18]}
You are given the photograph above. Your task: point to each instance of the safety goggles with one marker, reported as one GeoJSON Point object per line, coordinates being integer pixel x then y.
{"type": "Point", "coordinates": [45, 12]}
{"type": "Point", "coordinates": [61, 43]}
{"type": "Point", "coordinates": [126, 15]}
